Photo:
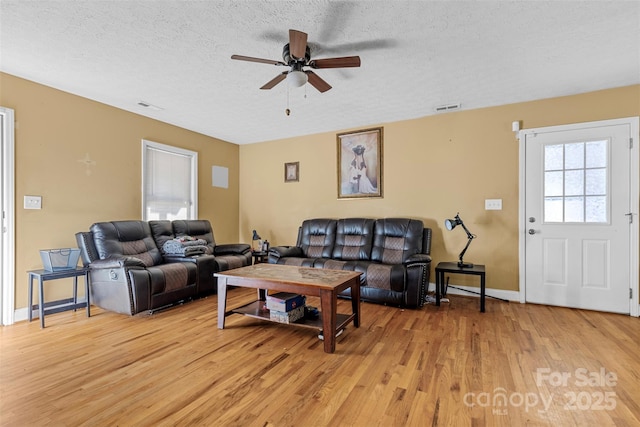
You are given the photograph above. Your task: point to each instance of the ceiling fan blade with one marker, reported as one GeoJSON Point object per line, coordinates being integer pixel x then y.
{"type": "Point", "coordinates": [252, 59]}
{"type": "Point", "coordinates": [297, 44]}
{"type": "Point", "coordinates": [346, 61]}
{"type": "Point", "coordinates": [277, 79]}
{"type": "Point", "coordinates": [317, 82]}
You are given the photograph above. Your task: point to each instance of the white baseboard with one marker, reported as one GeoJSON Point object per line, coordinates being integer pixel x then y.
{"type": "Point", "coordinates": [498, 293]}
{"type": "Point", "coordinates": [21, 314]}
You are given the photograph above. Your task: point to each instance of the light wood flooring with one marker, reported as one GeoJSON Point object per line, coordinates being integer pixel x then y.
{"type": "Point", "coordinates": [515, 365]}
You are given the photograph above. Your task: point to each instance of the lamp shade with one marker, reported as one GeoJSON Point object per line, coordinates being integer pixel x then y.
{"type": "Point", "coordinates": [296, 78]}
{"type": "Point", "coordinates": [450, 223]}
{"type": "Point", "coordinates": [255, 236]}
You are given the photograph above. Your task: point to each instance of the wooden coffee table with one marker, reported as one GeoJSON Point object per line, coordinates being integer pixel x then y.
{"type": "Point", "coordinates": [326, 284]}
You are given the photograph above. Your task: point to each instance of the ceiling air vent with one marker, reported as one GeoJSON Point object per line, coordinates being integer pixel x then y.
{"type": "Point", "coordinates": [149, 106]}
{"type": "Point", "coordinates": [449, 107]}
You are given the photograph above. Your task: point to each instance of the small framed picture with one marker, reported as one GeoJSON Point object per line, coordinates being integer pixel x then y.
{"type": "Point", "coordinates": [292, 172]}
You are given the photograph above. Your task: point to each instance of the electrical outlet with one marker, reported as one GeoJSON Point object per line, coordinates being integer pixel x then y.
{"type": "Point", "coordinates": [33, 202]}
{"type": "Point", "coordinates": [493, 204]}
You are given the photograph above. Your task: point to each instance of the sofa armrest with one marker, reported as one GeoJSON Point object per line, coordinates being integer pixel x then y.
{"type": "Point", "coordinates": [418, 259]}
{"type": "Point", "coordinates": [277, 252]}
{"type": "Point", "coordinates": [117, 262]}
{"type": "Point", "coordinates": [120, 284]}
{"type": "Point", "coordinates": [231, 249]}
{"type": "Point", "coordinates": [418, 272]}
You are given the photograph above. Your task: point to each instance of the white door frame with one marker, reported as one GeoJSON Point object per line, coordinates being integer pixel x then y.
{"type": "Point", "coordinates": [634, 123]}
{"type": "Point", "coordinates": [8, 283]}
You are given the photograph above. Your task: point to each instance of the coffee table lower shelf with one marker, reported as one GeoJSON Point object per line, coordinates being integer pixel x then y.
{"type": "Point", "coordinates": [257, 310]}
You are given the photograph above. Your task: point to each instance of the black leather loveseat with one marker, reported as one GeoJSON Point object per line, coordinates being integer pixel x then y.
{"type": "Point", "coordinates": [392, 253]}
{"type": "Point", "coordinates": [129, 273]}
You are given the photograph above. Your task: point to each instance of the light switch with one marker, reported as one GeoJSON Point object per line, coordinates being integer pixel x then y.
{"type": "Point", "coordinates": [493, 204]}
{"type": "Point", "coordinates": [33, 202]}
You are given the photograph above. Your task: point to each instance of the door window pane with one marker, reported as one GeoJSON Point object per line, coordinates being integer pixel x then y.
{"type": "Point", "coordinates": [574, 155]}
{"type": "Point", "coordinates": [576, 176]}
{"type": "Point", "coordinates": [596, 209]}
{"type": "Point", "coordinates": [596, 154]}
{"type": "Point", "coordinates": [553, 157]}
{"type": "Point", "coordinates": [553, 210]}
{"type": "Point", "coordinates": [596, 181]}
{"type": "Point", "coordinates": [574, 183]}
{"type": "Point", "coordinates": [553, 184]}
{"type": "Point", "coordinates": [574, 209]}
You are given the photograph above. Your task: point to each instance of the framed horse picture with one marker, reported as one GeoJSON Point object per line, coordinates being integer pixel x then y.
{"type": "Point", "coordinates": [360, 164]}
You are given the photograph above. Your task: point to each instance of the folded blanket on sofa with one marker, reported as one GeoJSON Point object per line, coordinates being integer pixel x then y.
{"type": "Point", "coordinates": [181, 247]}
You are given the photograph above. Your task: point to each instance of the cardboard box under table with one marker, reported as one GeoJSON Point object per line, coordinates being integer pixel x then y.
{"type": "Point", "coordinates": [285, 301]}
{"type": "Point", "coordinates": [290, 316]}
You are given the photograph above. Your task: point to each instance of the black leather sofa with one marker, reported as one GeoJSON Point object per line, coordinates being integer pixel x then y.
{"type": "Point", "coordinates": [129, 273]}
{"type": "Point", "coordinates": [392, 253]}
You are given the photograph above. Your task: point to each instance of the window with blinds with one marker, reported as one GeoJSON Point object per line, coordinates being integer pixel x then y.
{"type": "Point", "coordinates": [169, 182]}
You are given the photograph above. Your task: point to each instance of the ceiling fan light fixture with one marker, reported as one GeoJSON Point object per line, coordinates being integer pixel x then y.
{"type": "Point", "coordinates": [297, 78]}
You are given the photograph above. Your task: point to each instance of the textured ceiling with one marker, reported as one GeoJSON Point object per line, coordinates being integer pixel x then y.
{"type": "Point", "coordinates": [416, 55]}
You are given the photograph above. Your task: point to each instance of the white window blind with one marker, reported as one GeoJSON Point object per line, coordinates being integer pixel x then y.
{"type": "Point", "coordinates": [169, 183]}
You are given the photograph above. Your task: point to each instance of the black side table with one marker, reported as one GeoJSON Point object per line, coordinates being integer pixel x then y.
{"type": "Point", "coordinates": [259, 256]}
{"type": "Point", "coordinates": [44, 275]}
{"type": "Point", "coordinates": [452, 268]}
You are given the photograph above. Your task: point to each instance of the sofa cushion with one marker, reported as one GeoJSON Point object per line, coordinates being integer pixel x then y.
{"type": "Point", "coordinates": [172, 277]}
{"type": "Point", "coordinates": [333, 264]}
{"type": "Point", "coordinates": [229, 262]}
{"type": "Point", "coordinates": [317, 237]}
{"type": "Point", "coordinates": [386, 276]}
{"type": "Point", "coordinates": [396, 239]}
{"type": "Point", "coordinates": [126, 238]}
{"type": "Point", "coordinates": [354, 239]}
{"type": "Point", "coordinates": [198, 228]}
{"type": "Point", "coordinates": [299, 262]}
{"type": "Point", "coordinates": [162, 232]}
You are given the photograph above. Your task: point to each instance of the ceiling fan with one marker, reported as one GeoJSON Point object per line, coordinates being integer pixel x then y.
{"type": "Point", "coordinates": [296, 55]}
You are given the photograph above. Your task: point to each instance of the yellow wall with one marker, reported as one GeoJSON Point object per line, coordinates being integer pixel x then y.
{"type": "Point", "coordinates": [433, 167]}
{"type": "Point", "coordinates": [53, 133]}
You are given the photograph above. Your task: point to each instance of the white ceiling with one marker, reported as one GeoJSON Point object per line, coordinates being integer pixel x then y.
{"type": "Point", "coordinates": [416, 55]}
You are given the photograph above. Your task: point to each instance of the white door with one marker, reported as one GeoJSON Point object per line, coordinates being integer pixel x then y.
{"type": "Point", "coordinates": [578, 214]}
{"type": "Point", "coordinates": [7, 244]}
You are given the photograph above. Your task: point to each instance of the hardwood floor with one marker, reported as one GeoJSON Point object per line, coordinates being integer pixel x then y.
{"type": "Point", "coordinates": [514, 365]}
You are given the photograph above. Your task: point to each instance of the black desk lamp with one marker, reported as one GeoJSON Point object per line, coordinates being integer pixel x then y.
{"type": "Point", "coordinates": [453, 223]}
{"type": "Point", "coordinates": [256, 242]}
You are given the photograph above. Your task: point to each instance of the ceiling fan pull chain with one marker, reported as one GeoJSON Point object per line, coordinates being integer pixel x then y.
{"type": "Point", "coordinates": [287, 111]}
